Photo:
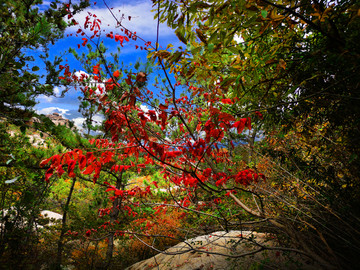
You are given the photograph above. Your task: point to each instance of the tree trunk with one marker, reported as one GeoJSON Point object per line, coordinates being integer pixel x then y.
{"type": "Point", "coordinates": [113, 216]}
{"type": "Point", "coordinates": [251, 141]}
{"type": "Point", "coordinates": [63, 228]}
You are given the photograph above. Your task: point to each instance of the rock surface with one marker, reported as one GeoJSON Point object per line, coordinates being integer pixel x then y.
{"type": "Point", "coordinates": [58, 119]}
{"type": "Point", "coordinates": [204, 253]}
{"type": "Point", "coordinates": [54, 217]}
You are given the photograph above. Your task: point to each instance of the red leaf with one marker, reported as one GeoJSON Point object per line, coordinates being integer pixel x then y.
{"type": "Point", "coordinates": [152, 115]}
{"type": "Point", "coordinates": [163, 107]}
{"type": "Point", "coordinates": [119, 38]}
{"type": "Point", "coordinates": [207, 172]}
{"type": "Point", "coordinates": [128, 81]}
{"type": "Point", "coordinates": [48, 174]}
{"type": "Point", "coordinates": [85, 41]}
{"type": "Point", "coordinates": [225, 117]}
{"type": "Point", "coordinates": [259, 114]}
{"type": "Point", "coordinates": [71, 167]}
{"type": "Point", "coordinates": [242, 123]}
{"type": "Point", "coordinates": [45, 161]}
{"type": "Point", "coordinates": [119, 192]}
{"type": "Point", "coordinates": [96, 69]}
{"type": "Point", "coordinates": [60, 171]}
{"type": "Point", "coordinates": [116, 168]}
{"type": "Point", "coordinates": [88, 170]}
{"type": "Point", "coordinates": [116, 74]}
{"type": "Point", "coordinates": [227, 101]}
{"type": "Point", "coordinates": [82, 162]}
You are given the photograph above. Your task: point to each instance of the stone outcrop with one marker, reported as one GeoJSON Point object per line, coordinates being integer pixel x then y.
{"type": "Point", "coordinates": [221, 250]}
{"type": "Point", "coordinates": [57, 119]}
{"type": "Point", "coordinates": [32, 121]}
{"type": "Point", "coordinates": [46, 217]}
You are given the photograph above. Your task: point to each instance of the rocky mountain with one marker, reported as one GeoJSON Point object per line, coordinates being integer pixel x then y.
{"type": "Point", "coordinates": [58, 119]}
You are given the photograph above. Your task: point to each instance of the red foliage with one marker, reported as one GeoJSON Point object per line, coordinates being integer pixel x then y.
{"type": "Point", "coordinates": [242, 123]}
{"type": "Point", "coordinates": [189, 147]}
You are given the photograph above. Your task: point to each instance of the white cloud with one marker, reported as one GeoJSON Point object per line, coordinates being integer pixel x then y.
{"type": "Point", "coordinates": [91, 82]}
{"type": "Point", "coordinates": [43, 98]}
{"type": "Point", "coordinates": [56, 90]}
{"type": "Point", "coordinates": [50, 99]}
{"type": "Point", "coordinates": [81, 74]}
{"type": "Point", "coordinates": [51, 110]}
{"type": "Point", "coordinates": [46, 3]}
{"type": "Point", "coordinates": [78, 122]}
{"type": "Point", "coordinates": [98, 118]}
{"type": "Point", "coordinates": [144, 108]}
{"type": "Point", "coordinates": [142, 19]}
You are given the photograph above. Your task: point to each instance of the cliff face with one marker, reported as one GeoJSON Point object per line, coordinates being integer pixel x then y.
{"type": "Point", "coordinates": [58, 119]}
{"type": "Point", "coordinates": [37, 139]}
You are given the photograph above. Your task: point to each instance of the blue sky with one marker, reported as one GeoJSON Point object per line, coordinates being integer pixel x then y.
{"type": "Point", "coordinates": [141, 21]}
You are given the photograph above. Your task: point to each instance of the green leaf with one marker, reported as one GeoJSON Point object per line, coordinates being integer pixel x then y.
{"type": "Point", "coordinates": [180, 33]}
{"type": "Point", "coordinates": [196, 50]}
{"type": "Point", "coordinates": [12, 180]}
{"type": "Point", "coordinates": [235, 70]}
{"type": "Point", "coordinates": [233, 50]}
{"type": "Point", "coordinates": [264, 13]}
{"type": "Point", "coordinates": [211, 47]}
{"type": "Point", "coordinates": [36, 68]}
{"type": "Point", "coordinates": [11, 159]}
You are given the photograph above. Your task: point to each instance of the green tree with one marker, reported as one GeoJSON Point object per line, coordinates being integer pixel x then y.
{"type": "Point", "coordinates": [297, 63]}
{"type": "Point", "coordinates": [24, 28]}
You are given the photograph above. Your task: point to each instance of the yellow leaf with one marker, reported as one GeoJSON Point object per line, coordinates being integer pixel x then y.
{"type": "Point", "coordinates": [282, 64]}
{"type": "Point", "coordinates": [276, 17]}
{"type": "Point", "coordinates": [163, 54]}
{"type": "Point", "coordinates": [201, 35]}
